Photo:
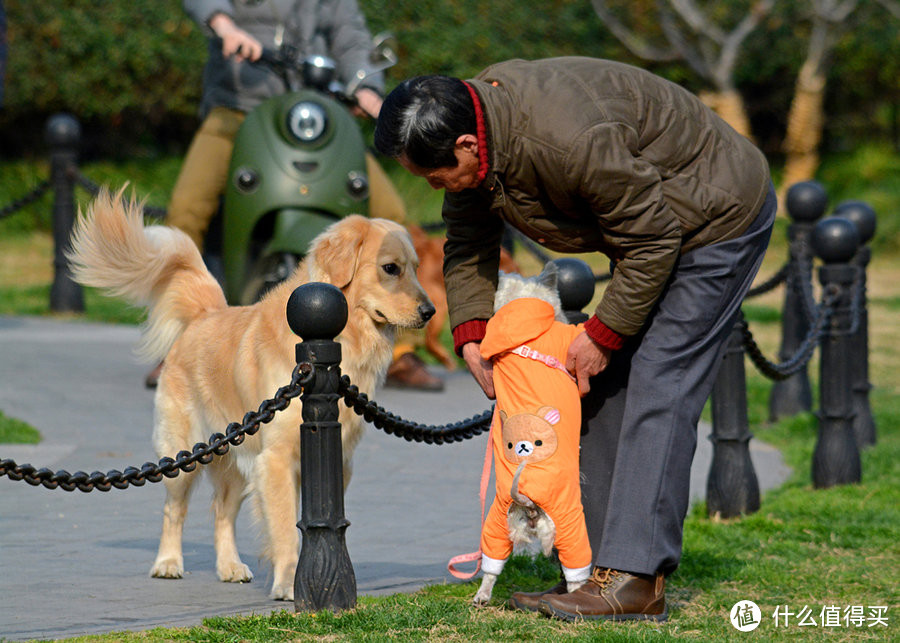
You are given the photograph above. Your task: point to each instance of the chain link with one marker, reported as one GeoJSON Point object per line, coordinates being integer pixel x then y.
{"type": "Point", "coordinates": [771, 284]}
{"type": "Point", "coordinates": [36, 193]}
{"type": "Point", "coordinates": [804, 352]}
{"type": "Point", "coordinates": [186, 461]}
{"type": "Point", "coordinates": [150, 211]}
{"type": "Point", "coordinates": [411, 431]}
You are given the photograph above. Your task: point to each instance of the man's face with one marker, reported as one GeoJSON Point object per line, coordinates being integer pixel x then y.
{"type": "Point", "coordinates": [453, 179]}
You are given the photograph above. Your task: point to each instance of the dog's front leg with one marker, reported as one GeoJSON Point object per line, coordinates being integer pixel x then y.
{"type": "Point", "coordinates": [483, 595]}
{"type": "Point", "coordinates": [276, 492]}
{"type": "Point", "coordinates": [169, 560]}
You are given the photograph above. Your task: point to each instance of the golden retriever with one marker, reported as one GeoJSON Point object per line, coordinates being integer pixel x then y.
{"type": "Point", "coordinates": [221, 361]}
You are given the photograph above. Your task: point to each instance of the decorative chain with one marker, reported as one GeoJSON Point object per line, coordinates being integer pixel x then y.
{"type": "Point", "coordinates": [149, 211]}
{"type": "Point", "coordinates": [803, 354]}
{"type": "Point", "coordinates": [773, 282]}
{"type": "Point", "coordinates": [26, 200]}
{"type": "Point", "coordinates": [169, 467]}
{"type": "Point", "coordinates": [411, 431]}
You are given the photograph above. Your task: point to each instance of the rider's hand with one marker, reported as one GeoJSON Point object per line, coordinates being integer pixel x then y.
{"type": "Point", "coordinates": [481, 369]}
{"type": "Point", "coordinates": [235, 41]}
{"type": "Point", "coordinates": [585, 358]}
{"type": "Point", "coordinates": [368, 102]}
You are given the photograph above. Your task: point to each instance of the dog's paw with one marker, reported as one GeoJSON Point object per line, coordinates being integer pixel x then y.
{"type": "Point", "coordinates": [234, 572]}
{"type": "Point", "coordinates": [481, 599]}
{"type": "Point", "coordinates": [167, 568]}
{"type": "Point", "coordinates": [283, 592]}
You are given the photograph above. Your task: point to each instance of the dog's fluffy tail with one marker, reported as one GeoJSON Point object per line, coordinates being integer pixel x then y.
{"type": "Point", "coordinates": [157, 267]}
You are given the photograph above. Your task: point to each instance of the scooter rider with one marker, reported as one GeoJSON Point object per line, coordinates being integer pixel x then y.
{"type": "Point", "coordinates": [233, 86]}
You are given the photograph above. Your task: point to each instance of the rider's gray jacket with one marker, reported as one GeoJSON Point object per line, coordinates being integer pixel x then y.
{"type": "Point", "coordinates": [334, 28]}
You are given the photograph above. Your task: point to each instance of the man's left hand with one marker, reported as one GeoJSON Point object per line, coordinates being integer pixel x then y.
{"type": "Point", "coordinates": [585, 359]}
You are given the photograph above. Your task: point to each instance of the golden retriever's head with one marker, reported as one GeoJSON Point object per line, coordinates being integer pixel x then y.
{"type": "Point", "coordinates": [373, 262]}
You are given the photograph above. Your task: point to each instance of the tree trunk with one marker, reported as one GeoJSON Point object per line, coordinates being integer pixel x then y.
{"type": "Point", "coordinates": [804, 128]}
{"type": "Point", "coordinates": [729, 104]}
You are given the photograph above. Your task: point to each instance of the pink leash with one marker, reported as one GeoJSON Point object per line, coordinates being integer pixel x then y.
{"type": "Point", "coordinates": [528, 353]}
{"type": "Point", "coordinates": [485, 478]}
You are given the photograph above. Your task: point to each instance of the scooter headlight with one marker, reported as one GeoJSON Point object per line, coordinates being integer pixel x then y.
{"type": "Point", "coordinates": [307, 121]}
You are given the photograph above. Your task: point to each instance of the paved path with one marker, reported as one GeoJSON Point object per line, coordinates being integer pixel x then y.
{"type": "Point", "coordinates": [76, 563]}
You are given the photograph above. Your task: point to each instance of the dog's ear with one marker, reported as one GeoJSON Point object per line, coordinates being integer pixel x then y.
{"type": "Point", "coordinates": [549, 276]}
{"type": "Point", "coordinates": [334, 254]}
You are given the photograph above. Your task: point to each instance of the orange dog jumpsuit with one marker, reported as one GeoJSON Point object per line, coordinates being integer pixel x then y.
{"type": "Point", "coordinates": [537, 419]}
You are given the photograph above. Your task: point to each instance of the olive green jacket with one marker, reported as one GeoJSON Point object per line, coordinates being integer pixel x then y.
{"type": "Point", "coordinates": [590, 155]}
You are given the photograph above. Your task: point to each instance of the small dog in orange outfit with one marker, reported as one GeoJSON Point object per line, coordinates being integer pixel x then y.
{"type": "Point", "coordinates": [535, 433]}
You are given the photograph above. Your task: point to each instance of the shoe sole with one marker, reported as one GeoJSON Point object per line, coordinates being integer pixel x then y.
{"type": "Point", "coordinates": [522, 607]}
{"type": "Point", "coordinates": [549, 610]}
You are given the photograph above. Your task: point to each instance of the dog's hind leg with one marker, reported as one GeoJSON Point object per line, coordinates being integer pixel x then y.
{"type": "Point", "coordinates": [276, 493]}
{"type": "Point", "coordinates": [228, 485]}
{"type": "Point", "coordinates": [169, 560]}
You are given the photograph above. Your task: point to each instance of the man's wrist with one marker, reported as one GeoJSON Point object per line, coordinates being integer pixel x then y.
{"type": "Point", "coordinates": [470, 331]}
{"type": "Point", "coordinates": [603, 335]}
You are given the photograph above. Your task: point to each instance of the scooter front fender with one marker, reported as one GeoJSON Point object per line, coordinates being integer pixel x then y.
{"type": "Point", "coordinates": [293, 231]}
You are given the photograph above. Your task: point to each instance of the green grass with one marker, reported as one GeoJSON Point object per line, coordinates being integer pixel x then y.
{"type": "Point", "coordinates": [14, 431]}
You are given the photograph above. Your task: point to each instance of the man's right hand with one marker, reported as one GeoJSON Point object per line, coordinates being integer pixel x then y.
{"type": "Point", "coordinates": [235, 41]}
{"type": "Point", "coordinates": [481, 369]}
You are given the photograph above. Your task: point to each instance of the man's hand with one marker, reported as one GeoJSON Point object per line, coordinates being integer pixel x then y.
{"type": "Point", "coordinates": [368, 103]}
{"type": "Point", "coordinates": [584, 359]}
{"type": "Point", "coordinates": [235, 41]}
{"type": "Point", "coordinates": [481, 369]}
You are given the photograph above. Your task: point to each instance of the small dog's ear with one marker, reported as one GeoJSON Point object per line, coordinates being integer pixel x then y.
{"type": "Point", "coordinates": [334, 254]}
{"type": "Point", "coordinates": [549, 276]}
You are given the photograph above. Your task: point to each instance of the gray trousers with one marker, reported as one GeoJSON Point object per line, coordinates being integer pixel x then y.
{"type": "Point", "coordinates": [640, 418]}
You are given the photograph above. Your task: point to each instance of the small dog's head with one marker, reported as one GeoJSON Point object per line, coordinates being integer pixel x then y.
{"type": "Point", "coordinates": [543, 286]}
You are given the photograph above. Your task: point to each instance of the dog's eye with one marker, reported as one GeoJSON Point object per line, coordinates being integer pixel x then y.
{"type": "Point", "coordinates": [391, 269]}
{"type": "Point", "coordinates": [538, 443]}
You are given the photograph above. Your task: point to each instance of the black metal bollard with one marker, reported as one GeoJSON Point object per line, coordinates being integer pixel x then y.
{"type": "Point", "coordinates": [863, 216]}
{"type": "Point", "coordinates": [836, 457]}
{"type": "Point", "coordinates": [806, 203]}
{"type": "Point", "coordinates": [317, 312]}
{"type": "Point", "coordinates": [63, 134]}
{"type": "Point", "coordinates": [575, 283]}
{"type": "Point", "coordinates": [732, 487]}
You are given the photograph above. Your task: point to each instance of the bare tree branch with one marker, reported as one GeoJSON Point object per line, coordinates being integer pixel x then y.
{"type": "Point", "coordinates": [635, 44]}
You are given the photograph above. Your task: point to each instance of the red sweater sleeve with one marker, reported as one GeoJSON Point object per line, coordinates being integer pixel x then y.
{"type": "Point", "coordinates": [470, 331]}
{"type": "Point", "coordinates": [603, 334]}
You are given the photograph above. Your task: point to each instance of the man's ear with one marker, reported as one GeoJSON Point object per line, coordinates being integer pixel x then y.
{"type": "Point", "coordinates": [468, 142]}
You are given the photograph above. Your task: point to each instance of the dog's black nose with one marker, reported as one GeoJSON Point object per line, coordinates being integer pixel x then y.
{"type": "Point", "coordinates": [426, 311]}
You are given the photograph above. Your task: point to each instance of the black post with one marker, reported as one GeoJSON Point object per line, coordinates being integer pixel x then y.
{"type": "Point", "coordinates": [836, 457]}
{"type": "Point", "coordinates": [575, 283]}
{"type": "Point", "coordinates": [863, 216]}
{"type": "Point", "coordinates": [317, 312]}
{"type": "Point", "coordinates": [732, 487]}
{"type": "Point", "coordinates": [63, 134]}
{"type": "Point", "coordinates": [806, 203]}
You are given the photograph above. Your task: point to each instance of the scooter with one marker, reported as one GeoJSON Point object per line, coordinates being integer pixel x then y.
{"type": "Point", "coordinates": [298, 165]}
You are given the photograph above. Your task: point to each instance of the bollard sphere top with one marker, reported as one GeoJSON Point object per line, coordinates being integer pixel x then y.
{"type": "Point", "coordinates": [317, 311]}
{"type": "Point", "coordinates": [62, 130]}
{"type": "Point", "coordinates": [861, 214]}
{"type": "Point", "coordinates": [806, 201]}
{"type": "Point", "coordinates": [835, 240]}
{"type": "Point", "coordinates": [575, 283]}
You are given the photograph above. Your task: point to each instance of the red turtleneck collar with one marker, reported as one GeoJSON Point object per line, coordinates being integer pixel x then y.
{"type": "Point", "coordinates": [481, 131]}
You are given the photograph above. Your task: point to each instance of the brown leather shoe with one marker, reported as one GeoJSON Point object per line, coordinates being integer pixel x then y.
{"type": "Point", "coordinates": [531, 601]}
{"type": "Point", "coordinates": [611, 595]}
{"type": "Point", "coordinates": [408, 371]}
